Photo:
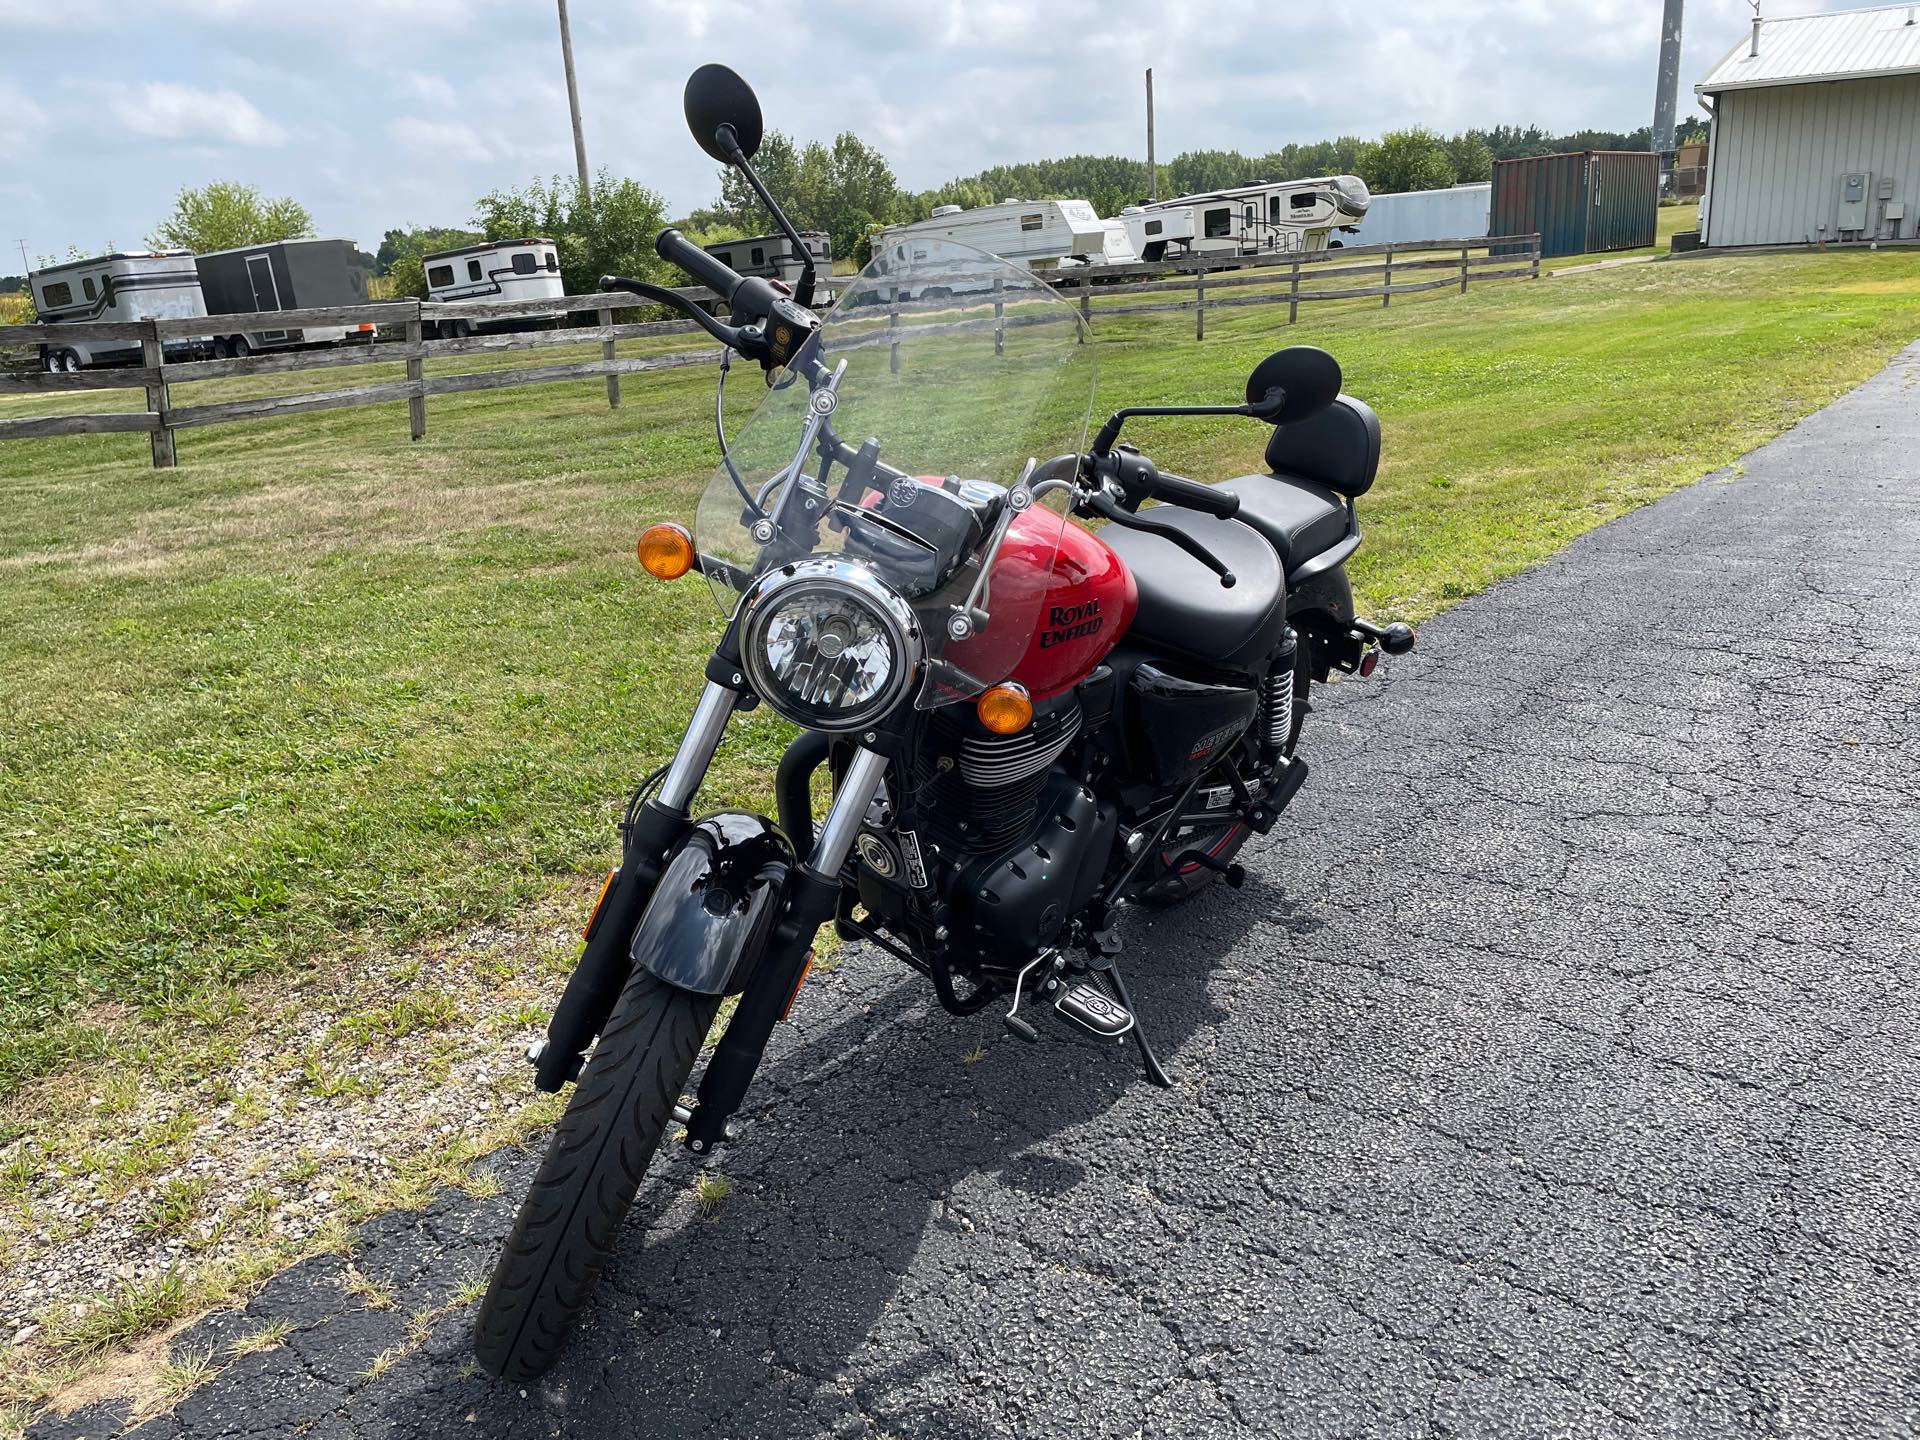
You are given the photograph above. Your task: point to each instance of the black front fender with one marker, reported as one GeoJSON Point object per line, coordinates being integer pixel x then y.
{"type": "Point", "coordinates": [722, 890]}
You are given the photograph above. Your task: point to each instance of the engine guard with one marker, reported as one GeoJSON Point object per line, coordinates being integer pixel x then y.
{"type": "Point", "coordinates": [721, 893]}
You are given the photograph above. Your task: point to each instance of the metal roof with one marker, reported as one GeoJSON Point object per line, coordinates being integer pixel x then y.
{"type": "Point", "coordinates": [1801, 49]}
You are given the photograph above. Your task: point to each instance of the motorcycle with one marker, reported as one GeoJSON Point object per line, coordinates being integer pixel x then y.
{"type": "Point", "coordinates": [1027, 726]}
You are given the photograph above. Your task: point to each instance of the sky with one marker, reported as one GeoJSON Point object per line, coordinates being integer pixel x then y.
{"type": "Point", "coordinates": [385, 113]}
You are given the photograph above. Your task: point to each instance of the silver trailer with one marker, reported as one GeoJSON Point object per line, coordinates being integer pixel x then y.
{"type": "Point", "coordinates": [123, 286]}
{"type": "Point", "coordinates": [1458, 212]}
{"type": "Point", "coordinates": [771, 257]}
{"type": "Point", "coordinates": [284, 275]}
{"type": "Point", "coordinates": [526, 269]}
{"type": "Point", "coordinates": [1278, 218]}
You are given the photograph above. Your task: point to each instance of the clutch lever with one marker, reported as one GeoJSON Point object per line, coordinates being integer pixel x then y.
{"type": "Point", "coordinates": [747, 342]}
{"type": "Point", "coordinates": [1105, 506]}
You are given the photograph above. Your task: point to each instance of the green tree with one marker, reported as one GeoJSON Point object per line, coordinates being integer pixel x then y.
{"type": "Point", "coordinates": [418, 240]}
{"type": "Point", "coordinates": [1411, 159]}
{"type": "Point", "coordinates": [1470, 157]}
{"type": "Point", "coordinates": [226, 214]}
{"type": "Point", "coordinates": [609, 231]}
{"type": "Point", "coordinates": [842, 188]}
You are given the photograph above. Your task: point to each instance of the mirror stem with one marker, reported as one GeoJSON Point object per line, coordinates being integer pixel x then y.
{"type": "Point", "coordinates": [729, 142]}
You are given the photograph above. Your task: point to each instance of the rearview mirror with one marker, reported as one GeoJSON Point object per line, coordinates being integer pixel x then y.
{"type": "Point", "coordinates": [1308, 379]}
{"type": "Point", "coordinates": [718, 100]}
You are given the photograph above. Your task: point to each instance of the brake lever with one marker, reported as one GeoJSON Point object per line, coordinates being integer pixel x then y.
{"type": "Point", "coordinates": [734, 337]}
{"type": "Point", "coordinates": [1104, 505]}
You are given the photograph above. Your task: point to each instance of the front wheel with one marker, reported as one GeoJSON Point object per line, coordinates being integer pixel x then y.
{"type": "Point", "coordinates": [571, 1217]}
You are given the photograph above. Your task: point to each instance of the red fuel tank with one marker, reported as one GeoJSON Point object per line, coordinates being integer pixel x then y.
{"type": "Point", "coordinates": [1086, 597]}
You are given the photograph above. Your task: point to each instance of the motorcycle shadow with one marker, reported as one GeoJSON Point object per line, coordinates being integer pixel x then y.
{"type": "Point", "coordinates": [904, 1190]}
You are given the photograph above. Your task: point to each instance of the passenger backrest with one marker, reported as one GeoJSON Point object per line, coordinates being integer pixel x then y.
{"type": "Point", "coordinates": [1338, 448]}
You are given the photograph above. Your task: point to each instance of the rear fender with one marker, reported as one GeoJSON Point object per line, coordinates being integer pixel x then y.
{"type": "Point", "coordinates": [722, 891]}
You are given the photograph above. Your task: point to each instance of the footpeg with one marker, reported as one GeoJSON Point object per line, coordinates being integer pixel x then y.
{"type": "Point", "coordinates": [1096, 1012]}
{"type": "Point", "coordinates": [1286, 785]}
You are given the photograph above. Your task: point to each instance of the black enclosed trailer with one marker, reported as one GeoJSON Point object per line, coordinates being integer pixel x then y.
{"type": "Point", "coordinates": [285, 275]}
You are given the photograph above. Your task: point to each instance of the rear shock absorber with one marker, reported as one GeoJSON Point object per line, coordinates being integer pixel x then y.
{"type": "Point", "coordinates": [1279, 696]}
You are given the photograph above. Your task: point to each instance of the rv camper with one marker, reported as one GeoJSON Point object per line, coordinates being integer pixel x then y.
{"type": "Point", "coordinates": [1273, 218]}
{"type": "Point", "coordinates": [771, 256]}
{"type": "Point", "coordinates": [1158, 235]}
{"type": "Point", "coordinates": [1116, 249]}
{"type": "Point", "coordinates": [285, 275]}
{"type": "Point", "coordinates": [151, 285]}
{"type": "Point", "coordinates": [527, 269]}
{"type": "Point", "coordinates": [1033, 234]}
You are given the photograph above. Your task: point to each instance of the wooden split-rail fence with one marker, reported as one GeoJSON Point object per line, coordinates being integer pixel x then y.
{"type": "Point", "coordinates": [1215, 282]}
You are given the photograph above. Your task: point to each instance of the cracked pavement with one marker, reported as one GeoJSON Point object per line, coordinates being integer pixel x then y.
{"type": "Point", "coordinates": [1554, 1074]}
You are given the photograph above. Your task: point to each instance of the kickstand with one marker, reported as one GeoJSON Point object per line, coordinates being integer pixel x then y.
{"type": "Point", "coordinates": [1147, 1058]}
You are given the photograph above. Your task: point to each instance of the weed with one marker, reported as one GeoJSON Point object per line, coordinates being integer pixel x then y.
{"type": "Point", "coordinates": [710, 1192]}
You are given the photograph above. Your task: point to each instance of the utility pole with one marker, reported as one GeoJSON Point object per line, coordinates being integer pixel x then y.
{"type": "Point", "coordinates": [1666, 91]}
{"type": "Point", "coordinates": [24, 266]}
{"type": "Point", "coordinates": [1153, 171]}
{"type": "Point", "coordinates": [573, 105]}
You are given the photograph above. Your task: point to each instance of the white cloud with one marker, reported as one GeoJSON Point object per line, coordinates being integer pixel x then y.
{"type": "Point", "coordinates": [20, 116]}
{"type": "Point", "coordinates": [430, 89]}
{"type": "Point", "coordinates": [166, 111]}
{"type": "Point", "coordinates": [438, 139]}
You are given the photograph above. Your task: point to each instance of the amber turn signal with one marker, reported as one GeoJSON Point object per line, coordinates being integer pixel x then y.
{"type": "Point", "coordinates": [666, 551]}
{"type": "Point", "coordinates": [1006, 708]}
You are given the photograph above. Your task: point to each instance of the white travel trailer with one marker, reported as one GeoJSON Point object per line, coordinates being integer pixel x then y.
{"type": "Point", "coordinates": [1270, 218]}
{"type": "Point", "coordinates": [771, 256]}
{"type": "Point", "coordinates": [1458, 212]}
{"type": "Point", "coordinates": [526, 269]}
{"type": "Point", "coordinates": [1033, 234]}
{"type": "Point", "coordinates": [1156, 235]}
{"type": "Point", "coordinates": [145, 285]}
{"type": "Point", "coordinates": [1117, 249]}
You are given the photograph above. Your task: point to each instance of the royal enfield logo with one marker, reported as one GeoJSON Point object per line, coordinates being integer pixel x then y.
{"type": "Point", "coordinates": [1071, 622]}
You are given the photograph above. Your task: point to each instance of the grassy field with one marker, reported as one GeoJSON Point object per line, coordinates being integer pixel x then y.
{"type": "Point", "coordinates": [311, 744]}
{"type": "Point", "coordinates": [318, 679]}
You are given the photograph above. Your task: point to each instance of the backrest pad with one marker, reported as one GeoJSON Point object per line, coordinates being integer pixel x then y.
{"type": "Point", "coordinates": [1339, 448]}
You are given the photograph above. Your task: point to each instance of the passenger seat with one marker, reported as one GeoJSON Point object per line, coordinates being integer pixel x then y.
{"type": "Point", "coordinates": [1304, 506]}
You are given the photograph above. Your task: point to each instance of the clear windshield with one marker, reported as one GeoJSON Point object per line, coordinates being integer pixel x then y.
{"type": "Point", "coordinates": [913, 437]}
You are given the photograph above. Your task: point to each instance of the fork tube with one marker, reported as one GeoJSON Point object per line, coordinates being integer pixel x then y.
{"type": "Point", "coordinates": [838, 831]}
{"type": "Point", "coordinates": [695, 754]}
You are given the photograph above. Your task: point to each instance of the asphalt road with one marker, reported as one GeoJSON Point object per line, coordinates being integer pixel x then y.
{"type": "Point", "coordinates": [1555, 1075]}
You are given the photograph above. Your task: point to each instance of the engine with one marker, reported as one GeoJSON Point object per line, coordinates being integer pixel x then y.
{"type": "Point", "coordinates": [1013, 843]}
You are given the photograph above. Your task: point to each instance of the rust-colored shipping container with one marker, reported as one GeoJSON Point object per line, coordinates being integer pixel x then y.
{"type": "Point", "coordinates": [1578, 202]}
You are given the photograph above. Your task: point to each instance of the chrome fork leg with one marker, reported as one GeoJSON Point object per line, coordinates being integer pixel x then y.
{"type": "Point", "coordinates": [695, 754]}
{"type": "Point", "coordinates": [838, 831]}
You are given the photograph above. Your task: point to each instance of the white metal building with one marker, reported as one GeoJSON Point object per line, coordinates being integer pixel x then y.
{"type": "Point", "coordinates": [1816, 131]}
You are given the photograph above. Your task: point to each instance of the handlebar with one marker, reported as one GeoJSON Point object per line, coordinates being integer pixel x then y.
{"type": "Point", "coordinates": [710, 270]}
{"type": "Point", "coordinates": [1194, 496]}
{"type": "Point", "coordinates": [732, 336]}
{"type": "Point", "coordinates": [1104, 505]}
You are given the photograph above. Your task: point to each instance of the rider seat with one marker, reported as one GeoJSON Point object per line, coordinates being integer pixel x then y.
{"type": "Point", "coordinates": [1317, 465]}
{"type": "Point", "coordinates": [1183, 605]}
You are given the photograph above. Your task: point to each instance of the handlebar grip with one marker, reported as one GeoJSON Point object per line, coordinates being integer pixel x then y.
{"type": "Point", "coordinates": [1192, 495]}
{"type": "Point", "coordinates": [709, 270]}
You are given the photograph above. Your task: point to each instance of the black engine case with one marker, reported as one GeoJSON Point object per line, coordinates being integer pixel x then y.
{"type": "Point", "coordinates": [1016, 902]}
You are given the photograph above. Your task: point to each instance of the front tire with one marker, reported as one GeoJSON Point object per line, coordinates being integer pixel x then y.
{"type": "Point", "coordinates": [570, 1220]}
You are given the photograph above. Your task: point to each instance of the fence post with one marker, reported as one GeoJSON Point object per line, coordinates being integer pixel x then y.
{"type": "Point", "coordinates": [1086, 306]}
{"type": "Point", "coordinates": [416, 377]}
{"type": "Point", "coordinates": [999, 316]}
{"type": "Point", "coordinates": [1293, 293]}
{"type": "Point", "coordinates": [1386, 281]}
{"type": "Point", "coordinates": [153, 354]}
{"type": "Point", "coordinates": [1536, 259]}
{"type": "Point", "coordinates": [605, 313]}
{"type": "Point", "coordinates": [1200, 305]}
{"type": "Point", "coordinates": [893, 326]}
{"type": "Point", "coordinates": [1463, 268]}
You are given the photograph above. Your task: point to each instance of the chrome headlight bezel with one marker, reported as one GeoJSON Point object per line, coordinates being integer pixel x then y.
{"type": "Point", "coordinates": [855, 585]}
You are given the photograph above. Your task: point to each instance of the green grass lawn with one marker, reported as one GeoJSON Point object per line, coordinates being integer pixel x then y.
{"type": "Point", "coordinates": [319, 682]}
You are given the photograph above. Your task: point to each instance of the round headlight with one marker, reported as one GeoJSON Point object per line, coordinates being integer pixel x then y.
{"type": "Point", "coordinates": [828, 645]}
